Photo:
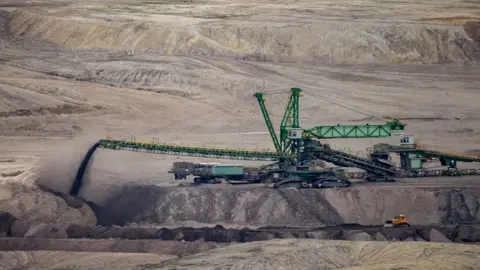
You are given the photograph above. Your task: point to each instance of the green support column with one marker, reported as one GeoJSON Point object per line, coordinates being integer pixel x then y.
{"type": "Point", "coordinates": [291, 119]}
{"type": "Point", "coordinates": [271, 130]}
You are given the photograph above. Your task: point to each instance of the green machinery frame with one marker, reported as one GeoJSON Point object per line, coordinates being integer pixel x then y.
{"type": "Point", "coordinates": [287, 148]}
{"type": "Point", "coordinates": [291, 120]}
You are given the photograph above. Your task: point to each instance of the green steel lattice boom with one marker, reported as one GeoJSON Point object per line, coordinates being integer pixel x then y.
{"type": "Point", "coordinates": [357, 131]}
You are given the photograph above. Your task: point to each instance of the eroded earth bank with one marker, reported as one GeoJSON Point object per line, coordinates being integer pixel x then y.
{"type": "Point", "coordinates": [184, 73]}
{"type": "Point", "coordinates": [247, 214]}
{"type": "Point", "coordinates": [137, 222]}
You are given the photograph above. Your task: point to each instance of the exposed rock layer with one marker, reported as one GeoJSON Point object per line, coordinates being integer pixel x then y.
{"type": "Point", "coordinates": [253, 207]}
{"type": "Point", "coordinates": [330, 41]}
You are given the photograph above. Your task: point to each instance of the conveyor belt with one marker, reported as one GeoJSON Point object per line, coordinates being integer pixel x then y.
{"type": "Point", "coordinates": [191, 151]}
{"type": "Point", "coordinates": [433, 153]}
{"type": "Point", "coordinates": [422, 173]}
{"type": "Point", "coordinates": [343, 159]}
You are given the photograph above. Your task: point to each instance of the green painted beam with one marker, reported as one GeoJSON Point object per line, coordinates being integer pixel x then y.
{"type": "Point", "coordinates": [356, 131]}
{"type": "Point", "coordinates": [268, 122]}
{"type": "Point", "coordinates": [191, 151]}
{"type": "Point", "coordinates": [291, 119]}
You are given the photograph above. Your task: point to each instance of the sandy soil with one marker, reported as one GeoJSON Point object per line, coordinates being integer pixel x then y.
{"type": "Point", "coordinates": [273, 254]}
{"type": "Point", "coordinates": [310, 254]}
{"type": "Point", "coordinates": [73, 260]}
{"type": "Point", "coordinates": [66, 80]}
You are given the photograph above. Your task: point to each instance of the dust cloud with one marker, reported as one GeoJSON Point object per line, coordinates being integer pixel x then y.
{"type": "Point", "coordinates": [59, 168]}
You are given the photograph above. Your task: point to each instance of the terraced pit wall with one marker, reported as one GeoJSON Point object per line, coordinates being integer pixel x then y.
{"type": "Point", "coordinates": [255, 207]}
{"type": "Point", "coordinates": [328, 42]}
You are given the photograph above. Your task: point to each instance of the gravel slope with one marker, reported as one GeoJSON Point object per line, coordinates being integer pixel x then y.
{"type": "Point", "coordinates": [73, 260]}
{"type": "Point", "coordinates": [309, 254]}
{"type": "Point", "coordinates": [301, 35]}
{"type": "Point", "coordinates": [272, 254]}
{"type": "Point", "coordinates": [194, 206]}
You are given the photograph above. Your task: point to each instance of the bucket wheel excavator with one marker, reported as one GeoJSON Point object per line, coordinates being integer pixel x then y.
{"type": "Point", "coordinates": [296, 149]}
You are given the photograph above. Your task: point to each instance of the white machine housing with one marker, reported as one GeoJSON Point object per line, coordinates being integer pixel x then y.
{"type": "Point", "coordinates": [294, 133]}
{"type": "Point", "coordinates": [407, 140]}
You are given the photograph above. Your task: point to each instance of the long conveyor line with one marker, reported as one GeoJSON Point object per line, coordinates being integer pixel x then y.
{"type": "Point", "coordinates": [422, 173]}
{"type": "Point", "coordinates": [341, 158]}
{"type": "Point", "coordinates": [191, 151]}
{"type": "Point", "coordinates": [337, 157]}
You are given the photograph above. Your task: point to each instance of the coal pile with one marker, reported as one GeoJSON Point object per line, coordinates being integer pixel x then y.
{"type": "Point", "coordinates": [219, 234]}
{"type": "Point", "coordinates": [259, 207]}
{"type": "Point", "coordinates": [155, 207]}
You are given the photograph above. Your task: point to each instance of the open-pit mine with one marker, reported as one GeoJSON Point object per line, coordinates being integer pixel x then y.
{"type": "Point", "coordinates": [239, 134]}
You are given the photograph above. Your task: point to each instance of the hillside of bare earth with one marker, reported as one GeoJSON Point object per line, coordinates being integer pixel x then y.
{"type": "Point", "coordinates": [184, 73]}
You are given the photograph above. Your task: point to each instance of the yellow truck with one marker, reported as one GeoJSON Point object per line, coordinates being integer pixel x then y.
{"type": "Point", "coordinates": [397, 221]}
